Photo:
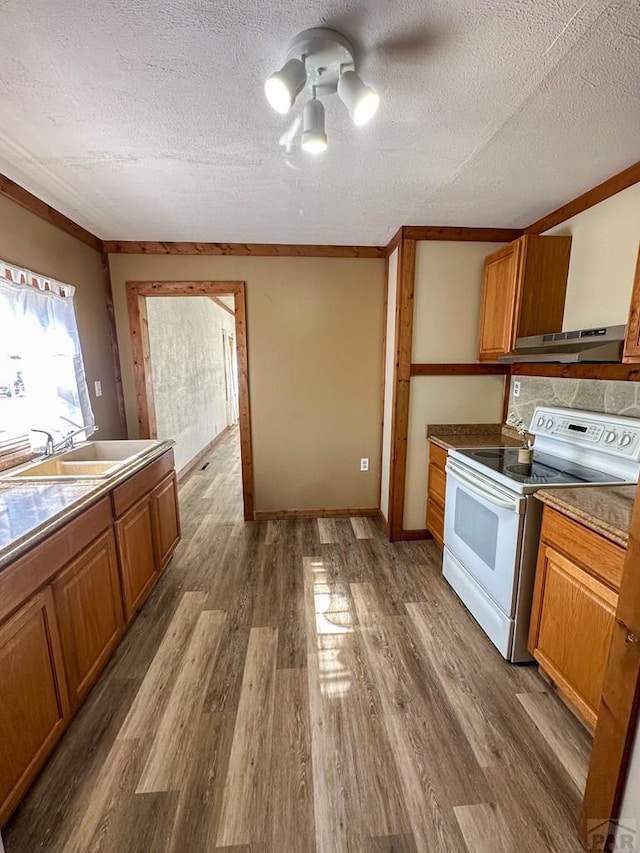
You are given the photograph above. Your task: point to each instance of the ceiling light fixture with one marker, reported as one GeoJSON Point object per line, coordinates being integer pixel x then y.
{"type": "Point", "coordinates": [361, 101]}
{"type": "Point", "coordinates": [314, 137]}
{"type": "Point", "coordinates": [325, 60]}
{"type": "Point", "coordinates": [283, 87]}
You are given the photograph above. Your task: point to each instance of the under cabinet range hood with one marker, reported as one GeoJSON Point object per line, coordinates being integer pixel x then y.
{"type": "Point", "coordinates": [602, 344]}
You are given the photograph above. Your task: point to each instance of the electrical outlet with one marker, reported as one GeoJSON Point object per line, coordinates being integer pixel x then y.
{"type": "Point", "coordinates": [364, 464]}
{"type": "Point", "coordinates": [98, 387]}
{"type": "Point", "coordinates": [516, 388]}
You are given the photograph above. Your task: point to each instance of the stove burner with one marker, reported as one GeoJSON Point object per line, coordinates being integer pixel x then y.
{"type": "Point", "coordinates": [529, 473]}
{"type": "Point", "coordinates": [488, 454]}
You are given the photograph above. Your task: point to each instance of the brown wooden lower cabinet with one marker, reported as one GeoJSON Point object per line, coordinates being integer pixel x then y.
{"type": "Point", "coordinates": [436, 491]}
{"type": "Point", "coordinates": [61, 614]}
{"type": "Point", "coordinates": [147, 533]}
{"type": "Point", "coordinates": [166, 518]}
{"type": "Point", "coordinates": [88, 604]}
{"type": "Point", "coordinates": [137, 554]}
{"type": "Point", "coordinates": [573, 615]}
{"type": "Point", "coordinates": [33, 696]}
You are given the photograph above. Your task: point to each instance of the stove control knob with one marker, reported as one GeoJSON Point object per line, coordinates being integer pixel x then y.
{"type": "Point", "coordinates": [540, 421]}
{"type": "Point", "coordinates": [610, 437]}
{"type": "Point", "coordinates": [625, 441]}
{"type": "Point", "coordinates": [549, 423]}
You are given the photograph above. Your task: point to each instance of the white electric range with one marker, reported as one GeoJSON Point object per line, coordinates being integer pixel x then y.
{"type": "Point", "coordinates": [492, 520]}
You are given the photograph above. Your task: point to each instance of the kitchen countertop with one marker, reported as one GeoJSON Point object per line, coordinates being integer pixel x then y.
{"type": "Point", "coordinates": [450, 436]}
{"type": "Point", "coordinates": [603, 509]}
{"type": "Point", "coordinates": [31, 510]}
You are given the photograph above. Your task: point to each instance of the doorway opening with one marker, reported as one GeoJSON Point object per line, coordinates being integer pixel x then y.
{"type": "Point", "coordinates": [209, 399]}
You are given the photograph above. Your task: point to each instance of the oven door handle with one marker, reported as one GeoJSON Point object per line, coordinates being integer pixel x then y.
{"type": "Point", "coordinates": [475, 487]}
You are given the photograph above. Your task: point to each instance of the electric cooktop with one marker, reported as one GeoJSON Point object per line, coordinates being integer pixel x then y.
{"type": "Point", "coordinates": [544, 470]}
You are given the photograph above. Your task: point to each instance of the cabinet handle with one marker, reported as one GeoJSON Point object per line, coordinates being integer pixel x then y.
{"type": "Point", "coordinates": [633, 638]}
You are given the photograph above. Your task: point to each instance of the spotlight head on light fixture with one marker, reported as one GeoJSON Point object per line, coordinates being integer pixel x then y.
{"type": "Point", "coordinates": [361, 101]}
{"type": "Point", "coordinates": [314, 137]}
{"type": "Point", "coordinates": [324, 60]}
{"type": "Point", "coordinates": [283, 87]}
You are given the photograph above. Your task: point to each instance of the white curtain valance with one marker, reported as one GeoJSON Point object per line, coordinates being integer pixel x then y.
{"type": "Point", "coordinates": [20, 276]}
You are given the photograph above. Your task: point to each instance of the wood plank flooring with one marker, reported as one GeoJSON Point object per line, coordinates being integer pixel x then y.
{"type": "Point", "coordinates": [303, 686]}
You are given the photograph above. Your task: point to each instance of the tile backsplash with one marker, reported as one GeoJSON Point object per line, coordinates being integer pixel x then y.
{"type": "Point", "coordinates": [592, 395]}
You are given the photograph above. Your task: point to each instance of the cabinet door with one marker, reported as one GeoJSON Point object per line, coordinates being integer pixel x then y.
{"type": "Point", "coordinates": [137, 556]}
{"type": "Point", "coordinates": [572, 622]}
{"type": "Point", "coordinates": [632, 343]}
{"type": "Point", "coordinates": [166, 518]}
{"type": "Point", "coordinates": [88, 602]}
{"type": "Point", "coordinates": [500, 302]}
{"type": "Point", "coordinates": [33, 696]}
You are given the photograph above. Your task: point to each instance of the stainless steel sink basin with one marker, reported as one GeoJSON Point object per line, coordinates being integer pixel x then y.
{"type": "Point", "coordinates": [95, 459]}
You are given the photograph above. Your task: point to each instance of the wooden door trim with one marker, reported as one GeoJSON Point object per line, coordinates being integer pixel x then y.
{"type": "Point", "coordinates": [401, 386]}
{"type": "Point", "coordinates": [631, 351]}
{"type": "Point", "coordinates": [618, 712]}
{"type": "Point", "coordinates": [137, 293]}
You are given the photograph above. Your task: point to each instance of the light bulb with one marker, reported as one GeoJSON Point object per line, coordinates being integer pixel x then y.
{"type": "Point", "coordinates": [314, 138]}
{"type": "Point", "coordinates": [366, 108]}
{"type": "Point", "coordinates": [361, 101]}
{"type": "Point", "coordinates": [283, 87]}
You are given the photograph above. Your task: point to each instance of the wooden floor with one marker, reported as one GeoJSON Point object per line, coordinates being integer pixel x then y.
{"type": "Point", "coordinates": [306, 686]}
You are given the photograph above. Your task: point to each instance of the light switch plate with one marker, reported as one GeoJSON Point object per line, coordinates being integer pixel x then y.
{"type": "Point", "coordinates": [98, 386]}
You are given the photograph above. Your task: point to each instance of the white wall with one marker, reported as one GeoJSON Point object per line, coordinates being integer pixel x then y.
{"type": "Point", "coordinates": [389, 363]}
{"type": "Point", "coordinates": [448, 290]}
{"type": "Point", "coordinates": [604, 251]}
{"type": "Point", "coordinates": [442, 400]}
{"type": "Point", "coordinates": [630, 808]}
{"type": "Point", "coordinates": [187, 361]}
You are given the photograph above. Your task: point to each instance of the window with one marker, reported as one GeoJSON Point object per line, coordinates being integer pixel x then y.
{"type": "Point", "coordinates": [42, 381]}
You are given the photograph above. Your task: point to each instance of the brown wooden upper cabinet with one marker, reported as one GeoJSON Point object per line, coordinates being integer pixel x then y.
{"type": "Point", "coordinates": [632, 343]}
{"type": "Point", "coordinates": [524, 290]}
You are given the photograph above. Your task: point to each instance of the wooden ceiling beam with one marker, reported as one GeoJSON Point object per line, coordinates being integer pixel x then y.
{"type": "Point", "coordinates": [259, 250]}
{"type": "Point", "coordinates": [613, 185]}
{"type": "Point", "coordinates": [9, 189]}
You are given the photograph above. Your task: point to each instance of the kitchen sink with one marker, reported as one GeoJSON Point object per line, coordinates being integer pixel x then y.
{"type": "Point", "coordinates": [58, 468]}
{"type": "Point", "coordinates": [107, 451]}
{"type": "Point", "coordinates": [95, 459]}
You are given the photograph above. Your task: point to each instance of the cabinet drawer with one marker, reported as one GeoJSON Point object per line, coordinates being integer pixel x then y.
{"type": "Point", "coordinates": [435, 521]}
{"type": "Point", "coordinates": [142, 483]}
{"type": "Point", "coordinates": [597, 555]}
{"type": "Point", "coordinates": [38, 566]}
{"type": "Point", "coordinates": [437, 455]}
{"type": "Point", "coordinates": [437, 484]}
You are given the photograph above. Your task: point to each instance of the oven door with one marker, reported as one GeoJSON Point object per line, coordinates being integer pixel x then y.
{"type": "Point", "coordinates": [483, 530]}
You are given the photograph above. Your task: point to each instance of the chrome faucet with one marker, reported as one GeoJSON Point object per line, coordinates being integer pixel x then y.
{"type": "Point", "coordinates": [50, 447]}
{"type": "Point", "coordinates": [67, 442]}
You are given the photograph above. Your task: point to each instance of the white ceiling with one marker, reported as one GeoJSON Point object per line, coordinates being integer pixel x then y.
{"type": "Point", "coordinates": [147, 120]}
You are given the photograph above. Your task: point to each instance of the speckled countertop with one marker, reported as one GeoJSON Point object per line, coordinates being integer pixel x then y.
{"type": "Point", "coordinates": [30, 511]}
{"type": "Point", "coordinates": [604, 509]}
{"type": "Point", "coordinates": [450, 436]}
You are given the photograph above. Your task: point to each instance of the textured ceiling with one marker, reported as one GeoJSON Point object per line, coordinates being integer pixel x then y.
{"type": "Point", "coordinates": [146, 120]}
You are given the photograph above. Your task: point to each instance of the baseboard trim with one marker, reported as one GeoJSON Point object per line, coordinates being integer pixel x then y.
{"type": "Point", "coordinates": [188, 468]}
{"type": "Point", "coordinates": [383, 523]}
{"type": "Point", "coordinates": [277, 515]}
{"type": "Point", "coordinates": [411, 535]}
